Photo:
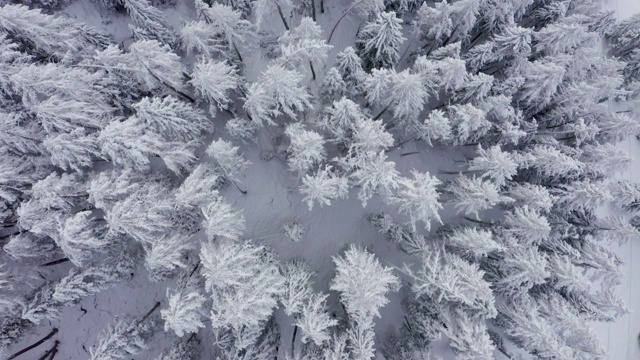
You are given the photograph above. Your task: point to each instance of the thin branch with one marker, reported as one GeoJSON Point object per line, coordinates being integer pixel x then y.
{"type": "Point", "coordinates": [34, 345]}
{"type": "Point", "coordinates": [56, 262]}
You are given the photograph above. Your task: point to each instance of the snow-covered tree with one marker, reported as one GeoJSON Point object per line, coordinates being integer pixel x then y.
{"type": "Point", "coordinates": [200, 187]}
{"type": "Point", "coordinates": [266, 8]}
{"type": "Point", "coordinates": [150, 20]}
{"type": "Point", "coordinates": [419, 199]}
{"type": "Point", "coordinates": [435, 127]}
{"type": "Point", "coordinates": [349, 64]}
{"type": "Point", "coordinates": [130, 143]}
{"type": "Point", "coordinates": [495, 164]}
{"type": "Point", "coordinates": [297, 288]}
{"type": "Point", "coordinates": [166, 254]}
{"type": "Point", "coordinates": [433, 23]}
{"type": "Point", "coordinates": [304, 45]}
{"type": "Point", "coordinates": [562, 38]}
{"type": "Point", "coordinates": [626, 194]}
{"type": "Point", "coordinates": [91, 280]}
{"type": "Point", "coordinates": [305, 150]}
{"type": "Point", "coordinates": [605, 159]}
{"type": "Point", "coordinates": [82, 237]}
{"type": "Point", "coordinates": [174, 119]}
{"type": "Point", "coordinates": [154, 65]}
{"type": "Point", "coordinates": [278, 90]}
{"type": "Point", "coordinates": [75, 150]}
{"type": "Point", "coordinates": [127, 337]}
{"type": "Point", "coordinates": [472, 195]}
{"type": "Point", "coordinates": [341, 119]}
{"type": "Point", "coordinates": [361, 341]}
{"type": "Point", "coordinates": [584, 194]}
{"type": "Point", "coordinates": [362, 283]}
{"type": "Point", "coordinates": [373, 174]}
{"type": "Point", "coordinates": [220, 219]}
{"type": "Point", "coordinates": [228, 159]}
{"type": "Point", "coordinates": [199, 37]}
{"type": "Point", "coordinates": [472, 242]}
{"type": "Point", "coordinates": [314, 320]}
{"type": "Point", "coordinates": [244, 281]}
{"type": "Point", "coordinates": [183, 349]}
{"type": "Point", "coordinates": [549, 162]}
{"type": "Point", "coordinates": [531, 195]}
{"type": "Point", "coordinates": [324, 187]}
{"type": "Point", "coordinates": [409, 96]}
{"type": "Point", "coordinates": [379, 41]}
{"type": "Point", "coordinates": [213, 81]}
{"type": "Point", "coordinates": [521, 267]}
{"type": "Point", "coordinates": [333, 86]}
{"type": "Point", "coordinates": [542, 81]}
{"type": "Point", "coordinates": [227, 22]}
{"type": "Point", "coordinates": [468, 337]}
{"type": "Point", "coordinates": [185, 312]}
{"type": "Point", "coordinates": [527, 224]}
{"type": "Point", "coordinates": [468, 122]}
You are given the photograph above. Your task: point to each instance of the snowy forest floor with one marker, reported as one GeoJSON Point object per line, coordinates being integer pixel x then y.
{"type": "Point", "coordinates": [273, 200]}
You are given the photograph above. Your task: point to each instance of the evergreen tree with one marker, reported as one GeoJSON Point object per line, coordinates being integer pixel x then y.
{"type": "Point", "coordinates": [151, 20]}
{"type": "Point", "coordinates": [304, 45]}
{"type": "Point", "coordinates": [324, 187]}
{"type": "Point", "coordinates": [379, 41]}
{"type": "Point", "coordinates": [185, 312]}
{"type": "Point", "coordinates": [418, 198]}
{"type": "Point", "coordinates": [213, 81]}
{"type": "Point", "coordinates": [305, 150]}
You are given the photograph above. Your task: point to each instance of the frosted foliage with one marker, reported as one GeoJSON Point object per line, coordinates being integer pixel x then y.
{"type": "Point", "coordinates": [473, 242]}
{"type": "Point", "coordinates": [228, 158]}
{"type": "Point", "coordinates": [122, 340]}
{"type": "Point", "coordinates": [315, 321]}
{"type": "Point", "coordinates": [297, 289]}
{"type": "Point", "coordinates": [341, 118]}
{"type": "Point", "coordinates": [128, 143]}
{"type": "Point", "coordinates": [447, 277]}
{"type": "Point", "coordinates": [379, 41]}
{"type": "Point", "coordinates": [549, 162]}
{"type": "Point", "coordinates": [583, 195]}
{"type": "Point", "coordinates": [362, 291]}
{"type": "Point", "coordinates": [361, 341]}
{"type": "Point", "coordinates": [521, 268]}
{"type": "Point", "coordinates": [244, 283]}
{"type": "Point", "coordinates": [527, 224]}
{"type": "Point", "coordinates": [220, 219]}
{"type": "Point", "coordinates": [531, 195]}
{"type": "Point", "coordinates": [469, 123]}
{"type": "Point", "coordinates": [333, 86]}
{"type": "Point", "coordinates": [452, 73]}
{"type": "Point", "coordinates": [74, 150]}
{"type": "Point", "coordinates": [264, 9]}
{"type": "Point", "coordinates": [618, 229]}
{"type": "Point", "coordinates": [168, 253]}
{"type": "Point", "coordinates": [369, 137]}
{"type": "Point", "coordinates": [214, 80]}
{"type": "Point", "coordinates": [173, 118]}
{"type": "Point", "coordinates": [606, 159]}
{"type": "Point", "coordinates": [375, 175]}
{"type": "Point", "coordinates": [469, 338]}
{"type": "Point", "coordinates": [303, 44]}
{"type": "Point", "coordinates": [278, 90]}
{"type": "Point", "coordinates": [151, 19]}
{"type": "Point", "coordinates": [81, 237]}
{"type": "Point", "coordinates": [514, 41]}
{"type": "Point", "coordinates": [494, 164]}
{"type": "Point", "coordinates": [377, 86]}
{"type": "Point", "coordinates": [542, 80]}
{"type": "Point", "coordinates": [85, 282]}
{"type": "Point", "coordinates": [349, 65]}
{"type": "Point", "coordinates": [435, 127]}
{"type": "Point", "coordinates": [409, 96]}
{"type": "Point", "coordinates": [434, 23]}
{"type": "Point", "coordinates": [200, 187]}
{"type": "Point", "coordinates": [198, 37]}
{"type": "Point", "coordinates": [157, 64]}
{"type": "Point", "coordinates": [566, 276]}
{"type": "Point", "coordinates": [185, 312]}
{"type": "Point", "coordinates": [472, 195]}
{"type": "Point", "coordinates": [324, 187]}
{"type": "Point", "coordinates": [562, 38]}
{"type": "Point", "coordinates": [419, 199]}
{"type": "Point", "coordinates": [305, 150]}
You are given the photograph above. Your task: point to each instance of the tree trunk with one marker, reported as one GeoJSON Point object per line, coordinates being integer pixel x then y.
{"type": "Point", "coordinates": [321, 6]}
{"type": "Point", "coordinates": [34, 345]}
{"type": "Point", "coordinates": [56, 262]}
{"type": "Point", "coordinates": [313, 10]}
{"type": "Point", "coordinates": [146, 316]}
{"type": "Point", "coordinates": [293, 340]}
{"type": "Point", "coordinates": [313, 72]}
{"type": "Point", "coordinates": [49, 354]}
{"type": "Point", "coordinates": [284, 21]}
{"type": "Point", "coordinates": [382, 112]}
{"type": "Point", "coordinates": [239, 188]}
{"type": "Point", "coordinates": [237, 52]}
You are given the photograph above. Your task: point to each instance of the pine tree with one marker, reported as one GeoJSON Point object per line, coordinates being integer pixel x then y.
{"type": "Point", "coordinates": [297, 290]}
{"type": "Point", "coordinates": [76, 150]}
{"type": "Point", "coordinates": [494, 164]}
{"type": "Point", "coordinates": [220, 219]}
{"type": "Point", "coordinates": [305, 150]}
{"type": "Point", "coordinates": [304, 45]}
{"type": "Point", "coordinates": [468, 122]}
{"type": "Point", "coordinates": [244, 281]}
{"type": "Point", "coordinates": [349, 64]}
{"type": "Point", "coordinates": [472, 195]}
{"type": "Point", "coordinates": [419, 199]}
{"type": "Point", "coordinates": [527, 225]}
{"type": "Point", "coordinates": [542, 81]}
{"type": "Point", "coordinates": [154, 65]}
{"type": "Point", "coordinates": [341, 118]}
{"type": "Point", "coordinates": [125, 338]}
{"type": "Point", "coordinates": [227, 158]}
{"type": "Point", "coordinates": [362, 291]}
{"type": "Point", "coordinates": [82, 237]}
{"type": "Point", "coordinates": [551, 163]}
{"type": "Point", "coordinates": [373, 174]}
{"type": "Point", "coordinates": [561, 38]}
{"type": "Point", "coordinates": [85, 282]}
{"type": "Point", "coordinates": [183, 349]}
{"type": "Point", "coordinates": [151, 19]}
{"type": "Point", "coordinates": [433, 23]}
{"type": "Point", "coordinates": [472, 242]}
{"type": "Point", "coordinates": [435, 127]}
{"type": "Point", "coordinates": [468, 337]}
{"type": "Point", "coordinates": [213, 81]}
{"type": "Point", "coordinates": [626, 194]}
{"type": "Point", "coordinates": [520, 268]}
{"type": "Point", "coordinates": [200, 187]}
{"type": "Point", "coordinates": [314, 321]}
{"type": "Point", "coordinates": [379, 41]}
{"type": "Point", "coordinates": [324, 187]}
{"type": "Point", "coordinates": [333, 86]}
{"type": "Point", "coordinates": [185, 312]}
{"type": "Point", "coordinates": [167, 254]}
{"type": "Point", "coordinates": [228, 21]}
{"type": "Point", "coordinates": [173, 119]}
{"type": "Point", "coordinates": [199, 37]}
